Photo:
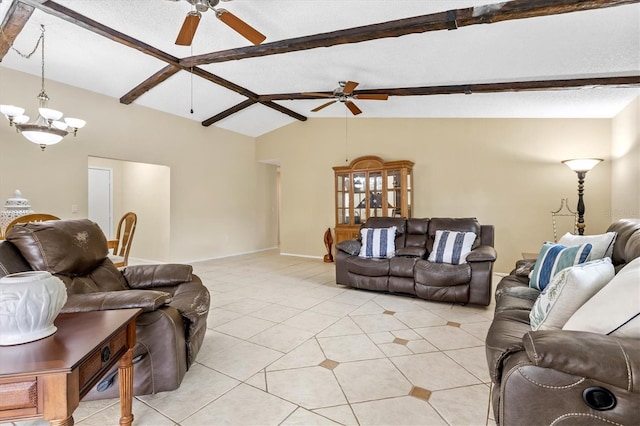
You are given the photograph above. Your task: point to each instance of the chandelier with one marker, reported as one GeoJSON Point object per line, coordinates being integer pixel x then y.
{"type": "Point", "coordinates": [50, 126]}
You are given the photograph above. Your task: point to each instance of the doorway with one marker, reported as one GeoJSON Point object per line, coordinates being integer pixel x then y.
{"type": "Point", "coordinates": [101, 198]}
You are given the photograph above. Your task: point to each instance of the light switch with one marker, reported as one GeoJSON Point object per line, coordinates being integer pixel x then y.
{"type": "Point", "coordinates": [74, 208]}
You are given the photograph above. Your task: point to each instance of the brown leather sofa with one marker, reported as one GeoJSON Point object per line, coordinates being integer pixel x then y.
{"type": "Point", "coordinates": [559, 376]}
{"type": "Point", "coordinates": [175, 303]}
{"type": "Point", "coordinates": [410, 272]}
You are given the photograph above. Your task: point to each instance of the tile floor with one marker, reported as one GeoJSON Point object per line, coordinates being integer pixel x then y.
{"type": "Point", "coordinates": [287, 346]}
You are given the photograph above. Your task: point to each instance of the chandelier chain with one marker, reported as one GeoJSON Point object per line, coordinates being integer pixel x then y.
{"type": "Point", "coordinates": [42, 74]}
{"type": "Point", "coordinates": [25, 55]}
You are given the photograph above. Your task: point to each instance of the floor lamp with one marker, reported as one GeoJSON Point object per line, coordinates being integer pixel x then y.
{"type": "Point", "coordinates": [581, 166]}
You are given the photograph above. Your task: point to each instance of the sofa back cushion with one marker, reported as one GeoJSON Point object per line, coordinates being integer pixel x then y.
{"type": "Point", "coordinates": [453, 224]}
{"type": "Point", "coordinates": [61, 247]}
{"type": "Point", "coordinates": [417, 230]}
{"type": "Point", "coordinates": [387, 222]}
{"type": "Point", "coordinates": [627, 245]}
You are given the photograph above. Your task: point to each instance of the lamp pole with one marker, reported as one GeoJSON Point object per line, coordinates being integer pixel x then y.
{"type": "Point", "coordinates": [581, 167]}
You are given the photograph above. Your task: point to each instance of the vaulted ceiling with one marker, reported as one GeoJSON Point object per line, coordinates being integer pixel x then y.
{"type": "Point", "coordinates": [453, 58]}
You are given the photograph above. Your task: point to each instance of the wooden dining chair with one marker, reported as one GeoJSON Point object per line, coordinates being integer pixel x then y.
{"type": "Point", "coordinates": [28, 218]}
{"type": "Point", "coordinates": [121, 245]}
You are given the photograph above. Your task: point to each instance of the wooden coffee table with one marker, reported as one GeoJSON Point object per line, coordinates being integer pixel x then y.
{"type": "Point", "coordinates": [47, 378]}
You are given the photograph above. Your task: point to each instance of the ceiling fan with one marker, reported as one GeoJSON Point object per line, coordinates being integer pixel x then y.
{"type": "Point", "coordinates": [191, 21]}
{"type": "Point", "coordinates": [344, 93]}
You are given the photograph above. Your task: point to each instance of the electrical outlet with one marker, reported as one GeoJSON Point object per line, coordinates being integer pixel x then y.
{"type": "Point", "coordinates": [74, 208]}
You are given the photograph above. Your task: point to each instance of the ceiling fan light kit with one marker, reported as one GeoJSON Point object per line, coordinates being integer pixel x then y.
{"type": "Point", "coordinates": [48, 128]}
{"type": "Point", "coordinates": [191, 21]}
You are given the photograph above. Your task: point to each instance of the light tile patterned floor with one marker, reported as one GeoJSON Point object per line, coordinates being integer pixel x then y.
{"type": "Point", "coordinates": [287, 346]}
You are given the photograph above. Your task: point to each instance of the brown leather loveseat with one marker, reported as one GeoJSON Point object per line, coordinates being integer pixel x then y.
{"type": "Point", "coordinates": [570, 375]}
{"type": "Point", "coordinates": [175, 303]}
{"type": "Point", "coordinates": [410, 272]}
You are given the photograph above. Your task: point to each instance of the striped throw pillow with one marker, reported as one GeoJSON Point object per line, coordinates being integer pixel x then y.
{"type": "Point", "coordinates": [451, 247]}
{"type": "Point", "coordinates": [553, 258]}
{"type": "Point", "coordinates": [378, 242]}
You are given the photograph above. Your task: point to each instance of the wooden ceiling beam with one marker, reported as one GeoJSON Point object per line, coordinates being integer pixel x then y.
{"type": "Point", "coordinates": [228, 112]}
{"type": "Point", "coordinates": [149, 84]}
{"type": "Point", "coordinates": [66, 14]}
{"type": "Point", "coordinates": [452, 19]}
{"type": "Point", "coordinates": [12, 24]}
{"type": "Point", "coordinates": [516, 86]}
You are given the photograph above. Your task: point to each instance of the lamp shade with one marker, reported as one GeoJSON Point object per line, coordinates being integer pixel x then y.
{"type": "Point", "coordinates": [42, 135]}
{"type": "Point", "coordinates": [582, 164]}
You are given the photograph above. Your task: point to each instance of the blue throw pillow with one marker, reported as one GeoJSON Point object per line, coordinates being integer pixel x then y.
{"type": "Point", "coordinates": [553, 258]}
{"type": "Point", "coordinates": [378, 242]}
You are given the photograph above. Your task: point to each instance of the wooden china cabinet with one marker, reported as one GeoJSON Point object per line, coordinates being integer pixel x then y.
{"type": "Point", "coordinates": [371, 187]}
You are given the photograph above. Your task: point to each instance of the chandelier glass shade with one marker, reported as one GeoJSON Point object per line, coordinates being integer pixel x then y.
{"type": "Point", "coordinates": [50, 127]}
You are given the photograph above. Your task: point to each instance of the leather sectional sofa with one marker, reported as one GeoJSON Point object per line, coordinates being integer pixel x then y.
{"type": "Point", "coordinates": [567, 376]}
{"type": "Point", "coordinates": [409, 271]}
{"type": "Point", "coordinates": [175, 303]}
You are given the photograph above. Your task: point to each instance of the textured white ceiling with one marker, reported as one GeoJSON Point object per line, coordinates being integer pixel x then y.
{"type": "Point", "coordinates": [576, 45]}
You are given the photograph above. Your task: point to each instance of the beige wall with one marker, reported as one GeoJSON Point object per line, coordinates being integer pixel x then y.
{"type": "Point", "coordinates": [625, 153]}
{"type": "Point", "coordinates": [220, 196]}
{"type": "Point", "coordinates": [505, 172]}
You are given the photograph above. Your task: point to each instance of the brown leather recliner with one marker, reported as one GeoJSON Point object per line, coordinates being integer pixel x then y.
{"type": "Point", "coordinates": [561, 376]}
{"type": "Point", "coordinates": [175, 303]}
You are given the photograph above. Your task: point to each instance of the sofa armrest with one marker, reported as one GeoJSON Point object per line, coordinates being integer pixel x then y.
{"type": "Point", "coordinates": [482, 254]}
{"type": "Point", "coordinates": [148, 300]}
{"type": "Point", "coordinates": [351, 247]}
{"type": "Point", "coordinates": [191, 299]}
{"type": "Point", "coordinates": [608, 359]}
{"type": "Point", "coordinates": [152, 276]}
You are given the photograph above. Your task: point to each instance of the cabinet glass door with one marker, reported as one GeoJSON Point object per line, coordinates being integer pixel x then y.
{"type": "Point", "coordinates": [359, 198]}
{"type": "Point", "coordinates": [342, 199]}
{"type": "Point", "coordinates": [394, 195]}
{"type": "Point", "coordinates": [375, 199]}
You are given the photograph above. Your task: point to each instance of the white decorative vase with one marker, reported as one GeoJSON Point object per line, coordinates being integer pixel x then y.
{"type": "Point", "coordinates": [29, 303]}
{"type": "Point", "coordinates": [14, 208]}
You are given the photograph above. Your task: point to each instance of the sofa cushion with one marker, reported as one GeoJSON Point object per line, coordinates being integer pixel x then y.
{"type": "Point", "coordinates": [451, 247]}
{"type": "Point", "coordinates": [602, 244]}
{"type": "Point", "coordinates": [378, 242]}
{"type": "Point", "coordinates": [553, 258]}
{"type": "Point", "coordinates": [568, 290]}
{"type": "Point", "coordinates": [368, 267]}
{"type": "Point", "coordinates": [615, 309]}
{"type": "Point", "coordinates": [441, 274]}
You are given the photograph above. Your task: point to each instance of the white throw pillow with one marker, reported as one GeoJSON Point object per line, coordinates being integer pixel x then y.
{"type": "Point", "coordinates": [451, 247]}
{"type": "Point", "coordinates": [378, 242]}
{"type": "Point", "coordinates": [614, 310]}
{"type": "Point", "coordinates": [568, 290]}
{"type": "Point", "coordinates": [602, 244]}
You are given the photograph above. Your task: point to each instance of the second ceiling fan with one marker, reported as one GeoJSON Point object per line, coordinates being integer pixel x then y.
{"type": "Point", "coordinates": [344, 93]}
{"type": "Point", "coordinates": [191, 21]}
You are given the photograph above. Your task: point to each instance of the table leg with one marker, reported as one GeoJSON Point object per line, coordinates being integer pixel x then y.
{"type": "Point", "coordinates": [64, 422]}
{"type": "Point", "coordinates": [125, 377]}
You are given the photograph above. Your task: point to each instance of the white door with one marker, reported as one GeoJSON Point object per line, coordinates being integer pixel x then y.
{"type": "Point", "coordinates": [101, 198]}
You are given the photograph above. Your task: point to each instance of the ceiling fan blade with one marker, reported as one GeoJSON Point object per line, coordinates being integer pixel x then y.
{"type": "Point", "coordinates": [349, 86]}
{"type": "Point", "coordinates": [188, 30]}
{"type": "Point", "coordinates": [317, 95]}
{"type": "Point", "coordinates": [241, 27]}
{"type": "Point", "coordinates": [316, 109]}
{"type": "Point", "coordinates": [373, 96]}
{"type": "Point", "coordinates": [353, 108]}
